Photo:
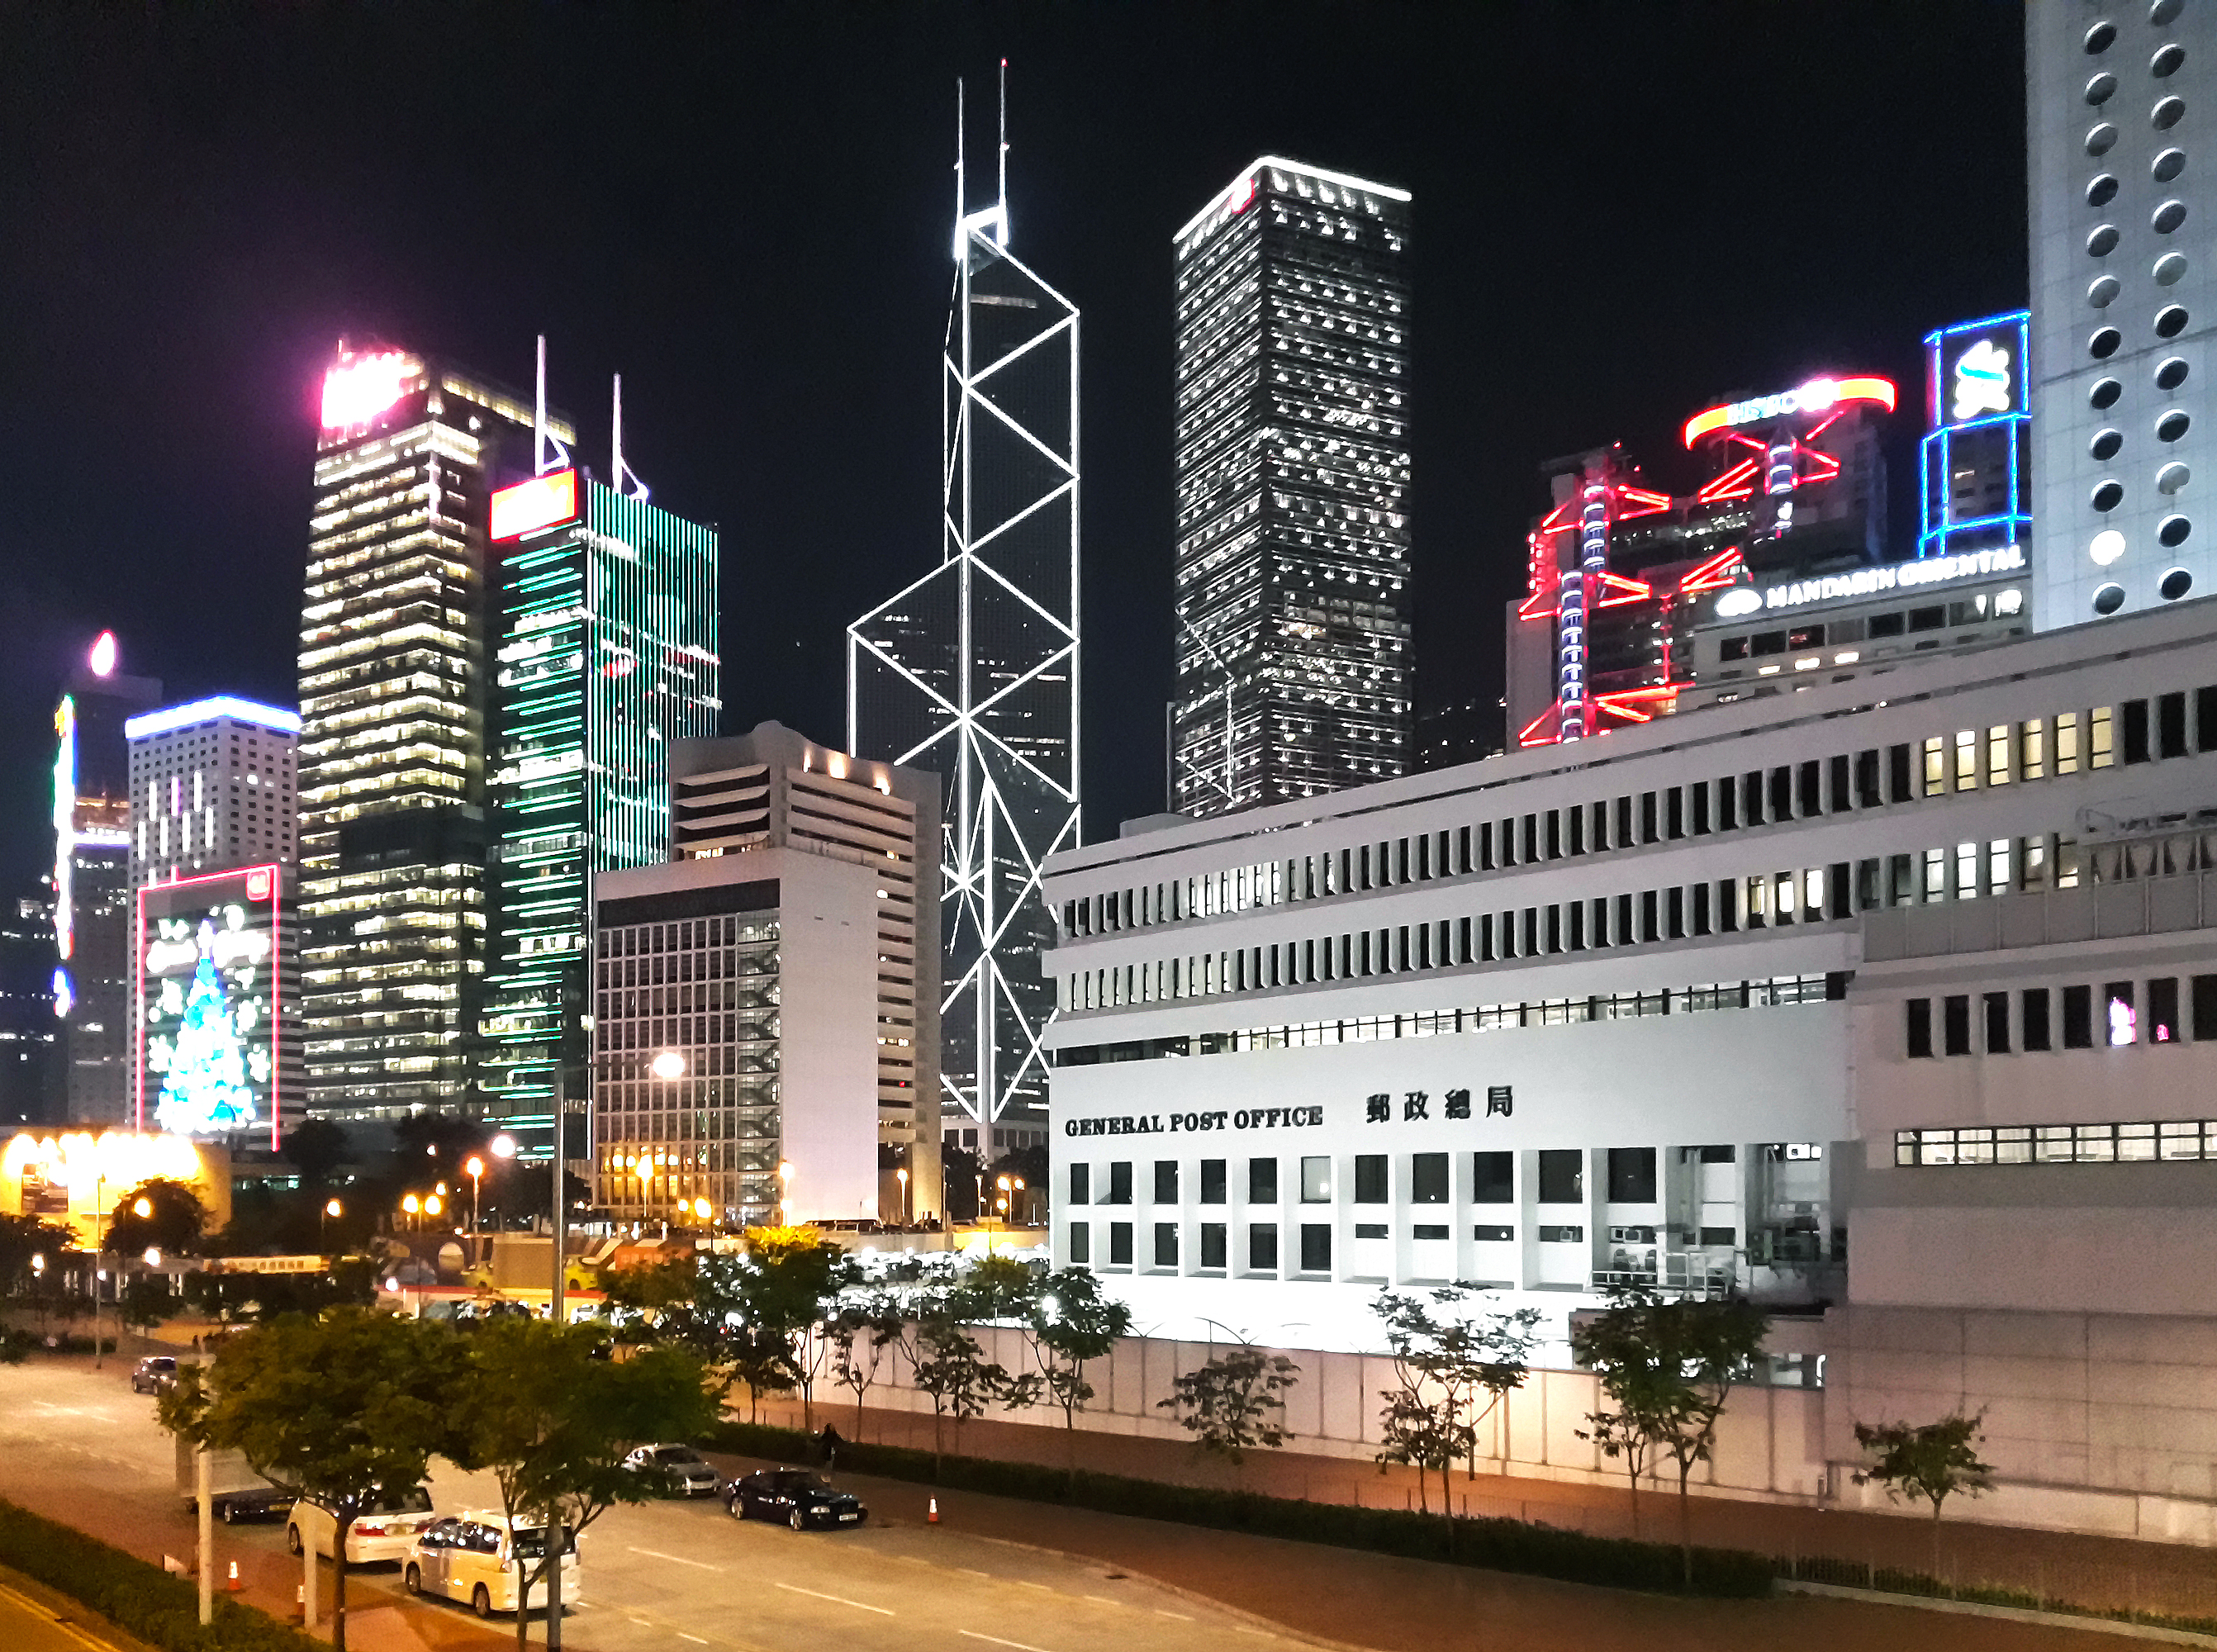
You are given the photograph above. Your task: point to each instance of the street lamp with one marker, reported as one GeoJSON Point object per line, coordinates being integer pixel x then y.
{"type": "Point", "coordinates": [142, 1207]}
{"type": "Point", "coordinates": [476, 1169]}
{"type": "Point", "coordinates": [785, 1192]}
{"type": "Point", "coordinates": [1002, 1203]}
{"type": "Point", "coordinates": [331, 1208]}
{"type": "Point", "coordinates": [411, 1205]}
{"type": "Point", "coordinates": [901, 1176]}
{"type": "Point", "coordinates": [431, 1206]}
{"type": "Point", "coordinates": [702, 1209]}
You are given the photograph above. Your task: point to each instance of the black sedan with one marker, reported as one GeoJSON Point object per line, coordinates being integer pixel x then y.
{"type": "Point", "coordinates": [794, 1495]}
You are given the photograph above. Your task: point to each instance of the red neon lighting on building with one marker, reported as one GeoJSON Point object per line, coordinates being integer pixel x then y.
{"type": "Point", "coordinates": [1817, 395]}
{"type": "Point", "coordinates": [1648, 503]}
{"type": "Point", "coordinates": [1713, 575]}
{"type": "Point", "coordinates": [542, 501]}
{"type": "Point", "coordinates": [1529, 735]}
{"type": "Point", "coordinates": [262, 884]}
{"type": "Point", "coordinates": [1627, 590]}
{"type": "Point", "coordinates": [1730, 484]}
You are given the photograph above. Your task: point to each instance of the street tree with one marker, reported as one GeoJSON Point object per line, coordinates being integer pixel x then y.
{"type": "Point", "coordinates": [862, 1331]}
{"type": "Point", "coordinates": [962, 1382]}
{"type": "Point", "coordinates": [334, 1408]}
{"type": "Point", "coordinates": [1933, 1460]}
{"type": "Point", "coordinates": [1073, 1324]}
{"type": "Point", "coordinates": [171, 1221]}
{"type": "Point", "coordinates": [551, 1417]}
{"type": "Point", "coordinates": [23, 1237]}
{"type": "Point", "coordinates": [317, 1147]}
{"type": "Point", "coordinates": [1453, 1364]}
{"type": "Point", "coordinates": [1234, 1402]}
{"type": "Point", "coordinates": [768, 1306]}
{"type": "Point", "coordinates": [1665, 1365]}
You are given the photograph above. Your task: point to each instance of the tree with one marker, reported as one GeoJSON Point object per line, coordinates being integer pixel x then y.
{"type": "Point", "coordinates": [952, 1369]}
{"type": "Point", "coordinates": [762, 1312]}
{"type": "Point", "coordinates": [1235, 1400]}
{"type": "Point", "coordinates": [23, 1237]}
{"type": "Point", "coordinates": [1073, 1325]}
{"type": "Point", "coordinates": [1452, 1368]}
{"type": "Point", "coordinates": [146, 1302]}
{"type": "Point", "coordinates": [1666, 1365]}
{"type": "Point", "coordinates": [334, 1409]}
{"type": "Point", "coordinates": [170, 1222]}
{"type": "Point", "coordinates": [860, 1333]}
{"type": "Point", "coordinates": [551, 1418]}
{"type": "Point", "coordinates": [1932, 1460]}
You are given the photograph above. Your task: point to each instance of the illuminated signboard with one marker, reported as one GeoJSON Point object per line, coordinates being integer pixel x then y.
{"type": "Point", "coordinates": [1817, 396]}
{"type": "Point", "coordinates": [208, 985]}
{"type": "Point", "coordinates": [546, 500]}
{"type": "Point", "coordinates": [1742, 600]}
{"type": "Point", "coordinates": [1982, 381]}
{"type": "Point", "coordinates": [360, 387]}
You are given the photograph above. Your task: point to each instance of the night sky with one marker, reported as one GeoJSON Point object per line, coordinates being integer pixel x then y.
{"type": "Point", "coordinates": [1622, 214]}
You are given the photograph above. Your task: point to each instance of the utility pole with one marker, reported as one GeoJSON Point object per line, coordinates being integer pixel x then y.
{"type": "Point", "coordinates": [202, 1479]}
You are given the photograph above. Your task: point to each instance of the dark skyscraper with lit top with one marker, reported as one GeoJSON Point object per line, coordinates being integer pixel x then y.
{"type": "Point", "coordinates": [1293, 474]}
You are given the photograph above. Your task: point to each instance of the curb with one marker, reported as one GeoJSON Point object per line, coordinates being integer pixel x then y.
{"type": "Point", "coordinates": [2007, 1614]}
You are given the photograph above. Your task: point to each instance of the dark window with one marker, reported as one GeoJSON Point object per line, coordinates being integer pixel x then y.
{"type": "Point", "coordinates": [1781, 794]}
{"type": "Point", "coordinates": [1081, 1243]}
{"type": "Point", "coordinates": [1867, 791]}
{"type": "Point", "coordinates": [2033, 1006]}
{"type": "Point", "coordinates": [1555, 834]}
{"type": "Point", "coordinates": [1424, 1230]}
{"type": "Point", "coordinates": [1493, 1175]}
{"type": "Point", "coordinates": [1674, 812]}
{"type": "Point", "coordinates": [1486, 1233]}
{"type": "Point", "coordinates": [1701, 797]}
{"type": "Point", "coordinates": [1632, 1175]}
{"type": "Point", "coordinates": [1838, 771]}
{"type": "Point", "coordinates": [1166, 1180]}
{"type": "Point", "coordinates": [1120, 1245]}
{"type": "Point", "coordinates": [1212, 1181]}
{"type": "Point", "coordinates": [1997, 1037]}
{"type": "Point", "coordinates": [1370, 1230]}
{"type": "Point", "coordinates": [1120, 1184]}
{"type": "Point", "coordinates": [1428, 1178]}
{"type": "Point", "coordinates": [2171, 726]}
{"type": "Point", "coordinates": [1624, 838]}
{"type": "Point", "coordinates": [1897, 770]}
{"type": "Point", "coordinates": [1956, 1023]}
{"type": "Point", "coordinates": [1806, 802]}
{"type": "Point", "coordinates": [1262, 1182]}
{"type": "Point", "coordinates": [2078, 1018]}
{"type": "Point", "coordinates": [1081, 1184]}
{"type": "Point", "coordinates": [1920, 1026]}
{"type": "Point", "coordinates": [1727, 806]}
{"type": "Point", "coordinates": [1370, 1178]}
{"type": "Point", "coordinates": [1724, 1153]}
{"type": "Point", "coordinates": [1646, 817]}
{"type": "Point", "coordinates": [2136, 731]}
{"type": "Point", "coordinates": [1316, 1248]}
{"type": "Point", "coordinates": [1806, 637]}
{"type": "Point", "coordinates": [1732, 648]}
{"type": "Point", "coordinates": [2205, 1007]}
{"type": "Point", "coordinates": [1562, 1236]}
{"type": "Point", "coordinates": [1719, 1237]}
{"type": "Point", "coordinates": [1932, 619]}
{"type": "Point", "coordinates": [2205, 719]}
{"type": "Point", "coordinates": [1578, 831]}
{"type": "Point", "coordinates": [1562, 1175]}
{"type": "Point", "coordinates": [2163, 1010]}
{"type": "Point", "coordinates": [1885, 624]}
{"type": "Point", "coordinates": [1212, 1244]}
{"type": "Point", "coordinates": [1262, 1247]}
{"type": "Point", "coordinates": [1165, 1244]}
{"type": "Point", "coordinates": [1766, 642]}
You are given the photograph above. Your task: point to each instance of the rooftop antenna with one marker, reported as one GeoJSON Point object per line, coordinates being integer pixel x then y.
{"type": "Point", "coordinates": [619, 472]}
{"type": "Point", "coordinates": [1005, 152]}
{"type": "Point", "coordinates": [993, 220]}
{"type": "Point", "coordinates": [543, 438]}
{"type": "Point", "coordinates": [961, 225]}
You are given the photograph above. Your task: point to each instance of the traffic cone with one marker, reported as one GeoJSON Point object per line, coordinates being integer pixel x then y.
{"type": "Point", "coordinates": [932, 1519]}
{"type": "Point", "coordinates": [235, 1585]}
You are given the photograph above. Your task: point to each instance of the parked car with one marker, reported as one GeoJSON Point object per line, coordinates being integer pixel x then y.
{"type": "Point", "coordinates": [156, 1374]}
{"type": "Point", "coordinates": [682, 1471]}
{"type": "Point", "coordinates": [381, 1532]}
{"type": "Point", "coordinates": [478, 1557]}
{"type": "Point", "coordinates": [794, 1495]}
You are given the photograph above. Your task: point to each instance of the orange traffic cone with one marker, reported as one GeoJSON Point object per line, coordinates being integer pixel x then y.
{"type": "Point", "coordinates": [235, 1584]}
{"type": "Point", "coordinates": [932, 1519]}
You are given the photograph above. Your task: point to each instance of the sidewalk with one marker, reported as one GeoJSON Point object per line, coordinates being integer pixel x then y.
{"type": "Point", "coordinates": [2109, 1572]}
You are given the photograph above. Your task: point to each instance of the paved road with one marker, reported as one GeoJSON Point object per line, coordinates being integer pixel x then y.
{"type": "Point", "coordinates": [31, 1625]}
{"type": "Point", "coordinates": [659, 1577]}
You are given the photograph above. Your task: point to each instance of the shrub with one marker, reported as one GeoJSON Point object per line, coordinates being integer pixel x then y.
{"type": "Point", "coordinates": [136, 1597]}
{"type": "Point", "coordinates": [1498, 1544]}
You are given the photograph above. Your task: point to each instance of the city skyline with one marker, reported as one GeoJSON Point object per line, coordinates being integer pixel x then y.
{"type": "Point", "coordinates": [186, 547]}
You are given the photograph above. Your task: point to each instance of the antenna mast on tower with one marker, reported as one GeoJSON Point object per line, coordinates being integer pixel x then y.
{"type": "Point", "coordinates": [542, 437]}
{"type": "Point", "coordinates": [619, 472]}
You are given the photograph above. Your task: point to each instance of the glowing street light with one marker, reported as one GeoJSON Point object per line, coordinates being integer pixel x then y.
{"type": "Point", "coordinates": [502, 1146]}
{"type": "Point", "coordinates": [702, 1209]}
{"type": "Point", "coordinates": [331, 1208]}
{"type": "Point", "coordinates": [476, 1169]}
{"type": "Point", "coordinates": [411, 1203]}
{"type": "Point", "coordinates": [431, 1206]}
{"type": "Point", "coordinates": [153, 1257]}
{"type": "Point", "coordinates": [901, 1176]}
{"type": "Point", "coordinates": [142, 1208]}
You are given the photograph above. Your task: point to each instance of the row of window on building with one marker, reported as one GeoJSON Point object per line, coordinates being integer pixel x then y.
{"type": "Point", "coordinates": [1558, 1177]}
{"type": "Point", "coordinates": [2080, 1017]}
{"type": "Point", "coordinates": [2163, 726]}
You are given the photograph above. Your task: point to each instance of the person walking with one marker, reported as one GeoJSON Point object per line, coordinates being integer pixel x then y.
{"type": "Point", "coordinates": [830, 1442]}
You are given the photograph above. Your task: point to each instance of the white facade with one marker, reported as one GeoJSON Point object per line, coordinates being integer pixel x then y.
{"type": "Point", "coordinates": [2123, 299]}
{"type": "Point", "coordinates": [211, 787]}
{"type": "Point", "coordinates": [1657, 1007]}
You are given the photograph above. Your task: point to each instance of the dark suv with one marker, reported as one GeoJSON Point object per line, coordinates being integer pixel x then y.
{"type": "Point", "coordinates": [156, 1374]}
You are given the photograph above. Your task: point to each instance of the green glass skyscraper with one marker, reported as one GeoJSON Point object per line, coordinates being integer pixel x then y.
{"type": "Point", "coordinates": [604, 649]}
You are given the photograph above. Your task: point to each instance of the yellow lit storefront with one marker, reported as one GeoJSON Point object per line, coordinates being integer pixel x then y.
{"type": "Point", "coordinates": [76, 1178]}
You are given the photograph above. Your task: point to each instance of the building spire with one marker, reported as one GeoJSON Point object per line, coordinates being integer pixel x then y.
{"type": "Point", "coordinates": [961, 205]}
{"type": "Point", "coordinates": [1005, 152]}
{"type": "Point", "coordinates": [619, 472]}
{"type": "Point", "coordinates": [543, 438]}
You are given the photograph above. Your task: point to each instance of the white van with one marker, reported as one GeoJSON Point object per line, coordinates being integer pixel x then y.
{"type": "Point", "coordinates": [383, 1530]}
{"type": "Point", "coordinates": [477, 1557]}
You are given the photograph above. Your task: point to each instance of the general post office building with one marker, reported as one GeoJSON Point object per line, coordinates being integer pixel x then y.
{"type": "Point", "coordinates": [1890, 994]}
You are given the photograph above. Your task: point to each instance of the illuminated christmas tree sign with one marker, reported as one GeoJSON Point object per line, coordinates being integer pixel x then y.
{"type": "Point", "coordinates": [210, 1005]}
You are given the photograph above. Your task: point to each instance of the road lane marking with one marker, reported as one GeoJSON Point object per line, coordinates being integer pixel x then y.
{"type": "Point", "coordinates": [642, 1623]}
{"type": "Point", "coordinates": [1021, 1646]}
{"type": "Point", "coordinates": [695, 1639]}
{"type": "Point", "coordinates": [974, 1571]}
{"type": "Point", "coordinates": [862, 1605]}
{"type": "Point", "coordinates": [1104, 1599]}
{"type": "Point", "coordinates": [1027, 1583]}
{"type": "Point", "coordinates": [1181, 1616]}
{"type": "Point", "coordinates": [657, 1554]}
